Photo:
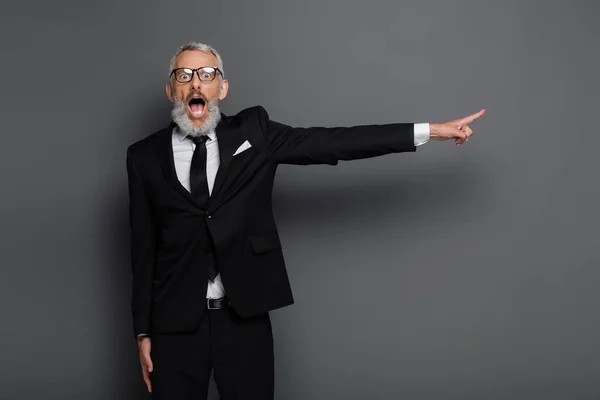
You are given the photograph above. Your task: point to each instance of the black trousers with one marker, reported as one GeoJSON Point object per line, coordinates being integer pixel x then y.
{"type": "Point", "coordinates": [240, 350]}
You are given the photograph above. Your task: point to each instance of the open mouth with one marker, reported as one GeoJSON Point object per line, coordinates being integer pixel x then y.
{"type": "Point", "coordinates": [197, 106]}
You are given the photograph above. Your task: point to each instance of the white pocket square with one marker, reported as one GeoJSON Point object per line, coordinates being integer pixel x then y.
{"type": "Point", "coordinates": [245, 146]}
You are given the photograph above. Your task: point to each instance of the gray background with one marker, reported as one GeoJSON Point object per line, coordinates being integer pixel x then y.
{"type": "Point", "coordinates": [451, 273]}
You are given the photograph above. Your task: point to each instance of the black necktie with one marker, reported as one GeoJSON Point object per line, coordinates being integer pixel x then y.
{"type": "Point", "coordinates": [199, 187]}
{"type": "Point", "coordinates": [198, 182]}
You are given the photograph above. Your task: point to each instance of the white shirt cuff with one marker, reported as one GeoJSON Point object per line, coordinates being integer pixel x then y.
{"type": "Point", "coordinates": [421, 134]}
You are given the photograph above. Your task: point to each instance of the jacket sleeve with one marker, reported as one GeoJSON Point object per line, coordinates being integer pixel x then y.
{"type": "Point", "coordinates": [143, 249]}
{"type": "Point", "coordinates": [321, 145]}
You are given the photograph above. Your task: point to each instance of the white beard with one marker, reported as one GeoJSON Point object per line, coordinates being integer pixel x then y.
{"type": "Point", "coordinates": [179, 115]}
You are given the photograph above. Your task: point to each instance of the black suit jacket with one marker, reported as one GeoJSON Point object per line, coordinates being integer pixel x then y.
{"type": "Point", "coordinates": [171, 233]}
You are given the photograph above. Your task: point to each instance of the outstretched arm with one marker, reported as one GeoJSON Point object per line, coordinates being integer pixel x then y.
{"type": "Point", "coordinates": [321, 145]}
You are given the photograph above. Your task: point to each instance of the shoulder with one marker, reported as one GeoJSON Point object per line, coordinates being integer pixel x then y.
{"type": "Point", "coordinates": [147, 143]}
{"type": "Point", "coordinates": [255, 115]}
{"type": "Point", "coordinates": [251, 112]}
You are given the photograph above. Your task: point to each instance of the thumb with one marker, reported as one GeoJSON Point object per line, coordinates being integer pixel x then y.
{"type": "Point", "coordinates": [148, 362]}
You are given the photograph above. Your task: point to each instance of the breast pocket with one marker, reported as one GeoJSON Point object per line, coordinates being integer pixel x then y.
{"type": "Point", "coordinates": [245, 156]}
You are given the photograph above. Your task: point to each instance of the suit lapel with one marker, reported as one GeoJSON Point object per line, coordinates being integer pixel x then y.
{"type": "Point", "coordinates": [229, 136]}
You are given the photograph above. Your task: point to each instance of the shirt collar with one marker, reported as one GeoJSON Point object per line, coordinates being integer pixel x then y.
{"type": "Point", "coordinates": [182, 136]}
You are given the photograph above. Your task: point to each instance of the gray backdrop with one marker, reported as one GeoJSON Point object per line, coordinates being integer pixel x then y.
{"type": "Point", "coordinates": [452, 273]}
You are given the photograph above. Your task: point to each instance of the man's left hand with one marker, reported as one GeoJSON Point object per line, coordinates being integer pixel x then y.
{"type": "Point", "coordinates": [457, 129]}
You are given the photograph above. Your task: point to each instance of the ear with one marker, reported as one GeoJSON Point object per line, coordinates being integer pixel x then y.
{"type": "Point", "coordinates": [169, 90]}
{"type": "Point", "coordinates": [224, 89]}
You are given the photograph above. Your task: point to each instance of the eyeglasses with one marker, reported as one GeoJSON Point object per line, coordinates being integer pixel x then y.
{"type": "Point", "coordinates": [205, 74]}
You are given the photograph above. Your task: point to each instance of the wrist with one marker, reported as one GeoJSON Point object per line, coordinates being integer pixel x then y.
{"type": "Point", "coordinates": [434, 131]}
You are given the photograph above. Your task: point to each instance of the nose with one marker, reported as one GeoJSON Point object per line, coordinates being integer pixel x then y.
{"type": "Point", "coordinates": [196, 82]}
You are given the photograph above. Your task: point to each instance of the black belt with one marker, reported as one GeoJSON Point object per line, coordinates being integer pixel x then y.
{"type": "Point", "coordinates": [217, 304]}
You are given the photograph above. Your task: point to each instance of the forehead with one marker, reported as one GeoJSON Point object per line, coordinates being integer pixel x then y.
{"type": "Point", "coordinates": [195, 59]}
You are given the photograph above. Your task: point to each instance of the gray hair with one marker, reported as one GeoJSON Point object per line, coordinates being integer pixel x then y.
{"type": "Point", "coordinates": [200, 47]}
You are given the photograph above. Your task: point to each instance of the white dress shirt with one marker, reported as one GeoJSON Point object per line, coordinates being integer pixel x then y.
{"type": "Point", "coordinates": [183, 150]}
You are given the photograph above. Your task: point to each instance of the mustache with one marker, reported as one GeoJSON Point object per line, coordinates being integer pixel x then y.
{"type": "Point", "coordinates": [196, 94]}
{"type": "Point", "coordinates": [186, 99]}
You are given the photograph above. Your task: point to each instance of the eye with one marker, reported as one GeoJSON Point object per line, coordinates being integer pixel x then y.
{"type": "Point", "coordinates": [184, 74]}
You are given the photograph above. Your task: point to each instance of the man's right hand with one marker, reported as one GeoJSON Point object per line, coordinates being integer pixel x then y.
{"type": "Point", "coordinates": [457, 129]}
{"type": "Point", "coordinates": [145, 360]}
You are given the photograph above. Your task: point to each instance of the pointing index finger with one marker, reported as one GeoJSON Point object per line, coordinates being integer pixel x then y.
{"type": "Point", "coordinates": [472, 117]}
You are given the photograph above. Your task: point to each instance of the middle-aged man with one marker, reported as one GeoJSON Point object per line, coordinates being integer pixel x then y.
{"type": "Point", "coordinates": [207, 261]}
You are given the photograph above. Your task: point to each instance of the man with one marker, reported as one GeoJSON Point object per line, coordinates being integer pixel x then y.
{"type": "Point", "coordinates": [207, 261]}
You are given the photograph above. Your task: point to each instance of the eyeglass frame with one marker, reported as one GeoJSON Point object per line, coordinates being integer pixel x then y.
{"type": "Point", "coordinates": [197, 72]}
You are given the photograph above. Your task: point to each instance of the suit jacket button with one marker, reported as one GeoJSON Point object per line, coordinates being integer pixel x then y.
{"type": "Point", "coordinates": [208, 215]}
